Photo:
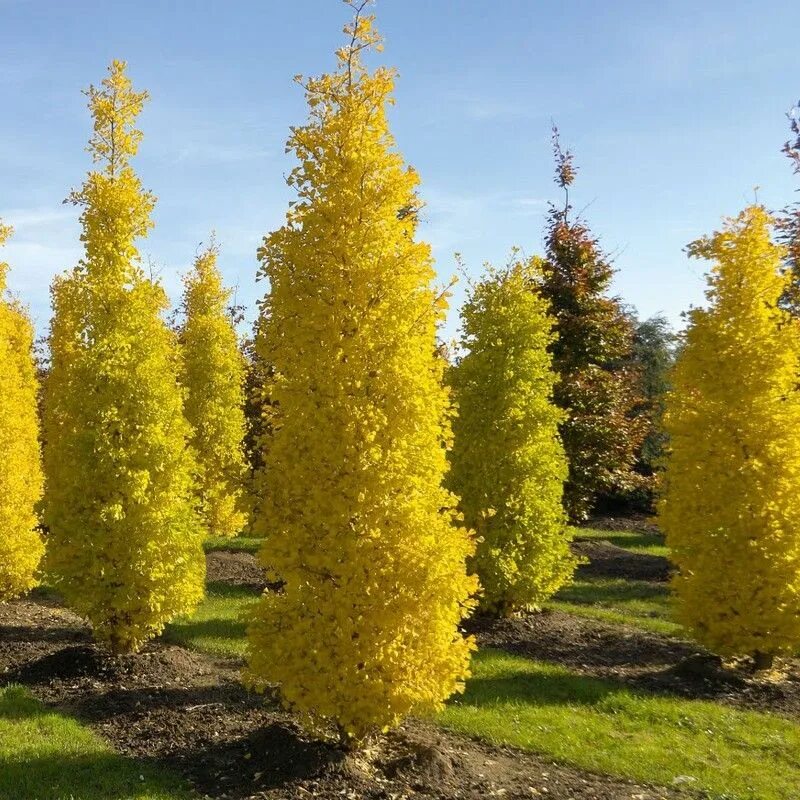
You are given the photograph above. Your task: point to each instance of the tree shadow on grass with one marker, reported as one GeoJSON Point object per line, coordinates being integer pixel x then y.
{"type": "Point", "coordinates": [94, 776]}
{"type": "Point", "coordinates": [47, 756]}
{"type": "Point", "coordinates": [630, 540]}
{"type": "Point", "coordinates": [217, 628]}
{"type": "Point", "coordinates": [228, 591]}
{"type": "Point", "coordinates": [537, 689]}
{"type": "Point", "coordinates": [591, 592]}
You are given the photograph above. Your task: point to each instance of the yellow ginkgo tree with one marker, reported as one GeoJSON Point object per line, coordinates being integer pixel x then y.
{"type": "Point", "coordinates": [20, 469]}
{"type": "Point", "coordinates": [508, 462]}
{"type": "Point", "coordinates": [732, 489]}
{"type": "Point", "coordinates": [213, 376]}
{"type": "Point", "coordinates": [358, 526]}
{"type": "Point", "coordinates": [125, 539]}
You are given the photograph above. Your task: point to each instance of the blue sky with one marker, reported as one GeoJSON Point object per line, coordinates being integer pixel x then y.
{"type": "Point", "coordinates": [675, 111]}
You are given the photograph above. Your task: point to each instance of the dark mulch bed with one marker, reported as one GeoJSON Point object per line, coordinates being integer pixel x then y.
{"type": "Point", "coordinates": [236, 569]}
{"type": "Point", "coordinates": [189, 712]}
{"type": "Point", "coordinates": [606, 560]}
{"type": "Point", "coordinates": [632, 522]}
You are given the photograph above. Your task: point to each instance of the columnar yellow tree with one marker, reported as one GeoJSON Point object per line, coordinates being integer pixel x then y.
{"type": "Point", "coordinates": [213, 376]}
{"type": "Point", "coordinates": [124, 544]}
{"type": "Point", "coordinates": [508, 463]}
{"type": "Point", "coordinates": [358, 524]}
{"type": "Point", "coordinates": [20, 468]}
{"type": "Point", "coordinates": [732, 493]}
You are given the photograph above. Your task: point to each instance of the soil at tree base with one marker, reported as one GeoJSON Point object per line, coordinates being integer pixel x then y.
{"type": "Point", "coordinates": [236, 569]}
{"type": "Point", "coordinates": [189, 712]}
{"type": "Point", "coordinates": [606, 560]}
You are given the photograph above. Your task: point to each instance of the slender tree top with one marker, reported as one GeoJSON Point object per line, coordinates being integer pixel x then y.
{"type": "Point", "coordinates": [204, 291]}
{"type": "Point", "coordinates": [115, 107]}
{"type": "Point", "coordinates": [740, 271]}
{"type": "Point", "coordinates": [116, 209]}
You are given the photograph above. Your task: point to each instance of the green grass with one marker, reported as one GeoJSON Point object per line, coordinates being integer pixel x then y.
{"type": "Point", "coordinates": [650, 544]}
{"type": "Point", "coordinates": [47, 756]}
{"type": "Point", "coordinates": [218, 626]}
{"type": "Point", "coordinates": [238, 544]}
{"type": "Point", "coordinates": [619, 601]}
{"type": "Point", "coordinates": [600, 726]}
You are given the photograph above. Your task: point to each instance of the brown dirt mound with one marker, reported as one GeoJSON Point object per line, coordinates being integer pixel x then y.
{"type": "Point", "coordinates": [606, 560]}
{"type": "Point", "coordinates": [236, 569]}
{"type": "Point", "coordinates": [156, 665]}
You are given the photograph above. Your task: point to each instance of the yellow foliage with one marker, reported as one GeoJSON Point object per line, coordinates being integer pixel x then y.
{"type": "Point", "coordinates": [213, 376]}
{"type": "Point", "coordinates": [508, 463]}
{"type": "Point", "coordinates": [125, 541]}
{"type": "Point", "coordinates": [358, 524]}
{"type": "Point", "coordinates": [20, 470]}
{"type": "Point", "coordinates": [732, 488]}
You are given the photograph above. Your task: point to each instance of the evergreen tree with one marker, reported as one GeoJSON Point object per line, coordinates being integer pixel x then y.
{"type": "Point", "coordinates": [591, 354]}
{"type": "Point", "coordinates": [125, 541]}
{"type": "Point", "coordinates": [508, 463]}
{"type": "Point", "coordinates": [21, 547]}
{"type": "Point", "coordinates": [733, 474]}
{"type": "Point", "coordinates": [213, 376]}
{"type": "Point", "coordinates": [653, 356]}
{"type": "Point", "coordinates": [359, 526]}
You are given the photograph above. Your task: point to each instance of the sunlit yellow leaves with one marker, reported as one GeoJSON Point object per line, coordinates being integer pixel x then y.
{"type": "Point", "coordinates": [357, 522]}
{"type": "Point", "coordinates": [124, 541]}
{"type": "Point", "coordinates": [732, 492]}
{"type": "Point", "coordinates": [508, 462]}
{"type": "Point", "coordinates": [20, 471]}
{"type": "Point", "coordinates": [213, 376]}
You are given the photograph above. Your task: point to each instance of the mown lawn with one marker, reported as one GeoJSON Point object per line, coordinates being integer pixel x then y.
{"type": "Point", "coordinates": [47, 756]}
{"type": "Point", "coordinates": [237, 544]}
{"type": "Point", "coordinates": [600, 726]}
{"type": "Point", "coordinates": [218, 626]}
{"type": "Point", "coordinates": [643, 604]}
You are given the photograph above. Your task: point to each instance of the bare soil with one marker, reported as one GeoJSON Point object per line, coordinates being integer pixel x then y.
{"type": "Point", "coordinates": [606, 560]}
{"type": "Point", "coordinates": [188, 712]}
{"type": "Point", "coordinates": [236, 569]}
{"type": "Point", "coordinates": [636, 523]}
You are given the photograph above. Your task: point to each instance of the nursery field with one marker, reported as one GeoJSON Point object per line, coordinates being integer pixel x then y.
{"type": "Point", "coordinates": [597, 696]}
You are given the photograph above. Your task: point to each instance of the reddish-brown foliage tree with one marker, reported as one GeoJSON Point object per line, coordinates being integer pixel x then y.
{"type": "Point", "coordinates": [597, 384]}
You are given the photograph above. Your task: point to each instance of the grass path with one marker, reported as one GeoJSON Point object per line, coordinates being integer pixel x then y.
{"type": "Point", "coordinates": [45, 755]}
{"type": "Point", "coordinates": [642, 604]}
{"type": "Point", "coordinates": [602, 727]}
{"type": "Point", "coordinates": [218, 625]}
